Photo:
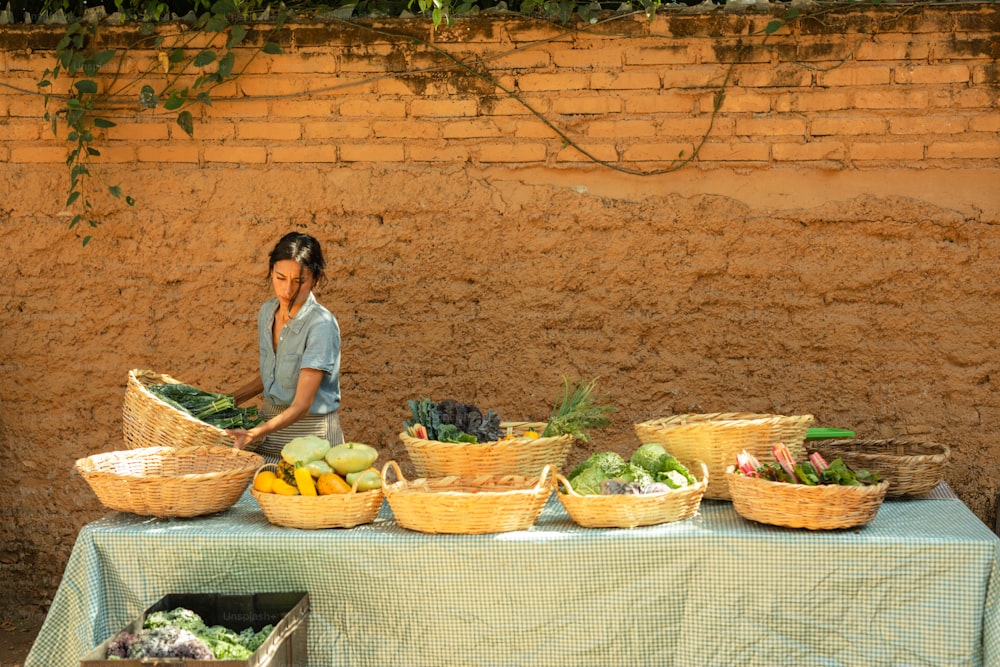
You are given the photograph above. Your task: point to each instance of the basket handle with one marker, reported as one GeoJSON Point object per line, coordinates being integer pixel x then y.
{"type": "Point", "coordinates": [560, 480]}
{"type": "Point", "coordinates": [546, 472]}
{"type": "Point", "coordinates": [395, 466]}
{"type": "Point", "coordinates": [266, 465]}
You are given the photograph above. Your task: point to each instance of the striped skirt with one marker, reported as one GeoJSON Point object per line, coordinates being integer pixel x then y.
{"type": "Point", "coordinates": [324, 426]}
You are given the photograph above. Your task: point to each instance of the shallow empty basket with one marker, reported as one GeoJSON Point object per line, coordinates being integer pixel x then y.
{"type": "Point", "coordinates": [716, 439]}
{"type": "Point", "coordinates": [467, 505]}
{"type": "Point", "coordinates": [910, 467]}
{"type": "Point", "coordinates": [170, 481]}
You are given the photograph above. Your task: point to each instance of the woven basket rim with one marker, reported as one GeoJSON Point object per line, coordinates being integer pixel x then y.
{"type": "Point", "coordinates": [217, 451]}
{"type": "Point", "coordinates": [806, 489]}
{"type": "Point", "coordinates": [722, 419]}
{"type": "Point", "coordinates": [519, 484]}
{"type": "Point", "coordinates": [942, 452]}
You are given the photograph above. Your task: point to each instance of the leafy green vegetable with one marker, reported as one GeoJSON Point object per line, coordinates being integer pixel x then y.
{"type": "Point", "coordinates": [611, 463]}
{"type": "Point", "coordinates": [588, 481]}
{"type": "Point", "coordinates": [634, 473]}
{"type": "Point", "coordinates": [648, 456]}
{"type": "Point", "coordinates": [806, 473]}
{"type": "Point", "coordinates": [451, 433]}
{"type": "Point", "coordinates": [839, 473]}
{"type": "Point", "coordinates": [219, 410]}
{"type": "Point", "coordinates": [224, 643]}
{"type": "Point", "coordinates": [673, 473]}
{"type": "Point", "coordinates": [424, 411]}
{"type": "Point", "coordinates": [577, 412]}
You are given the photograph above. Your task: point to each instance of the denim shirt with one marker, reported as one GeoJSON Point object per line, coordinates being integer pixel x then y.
{"type": "Point", "coordinates": [310, 340]}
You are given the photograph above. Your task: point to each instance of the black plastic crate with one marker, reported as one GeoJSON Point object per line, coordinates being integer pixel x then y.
{"type": "Point", "coordinates": [286, 646]}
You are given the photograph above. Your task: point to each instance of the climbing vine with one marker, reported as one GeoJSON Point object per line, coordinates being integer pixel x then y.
{"type": "Point", "coordinates": [193, 61]}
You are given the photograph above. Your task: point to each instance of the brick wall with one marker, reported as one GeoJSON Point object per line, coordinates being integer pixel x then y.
{"type": "Point", "coordinates": [913, 87]}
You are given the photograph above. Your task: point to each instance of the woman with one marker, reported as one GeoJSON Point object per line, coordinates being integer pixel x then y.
{"type": "Point", "coordinates": [299, 343]}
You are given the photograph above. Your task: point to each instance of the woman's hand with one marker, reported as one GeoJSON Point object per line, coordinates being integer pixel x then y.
{"type": "Point", "coordinates": [241, 437]}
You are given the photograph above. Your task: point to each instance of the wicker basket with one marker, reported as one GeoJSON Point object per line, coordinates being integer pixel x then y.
{"type": "Point", "coordinates": [467, 505]}
{"type": "Point", "coordinates": [822, 507]}
{"type": "Point", "coordinates": [522, 456]}
{"type": "Point", "coordinates": [338, 510]}
{"type": "Point", "coordinates": [149, 421]}
{"type": "Point", "coordinates": [911, 468]}
{"type": "Point", "coordinates": [170, 481]}
{"type": "Point", "coordinates": [717, 438]}
{"type": "Point", "coordinates": [629, 511]}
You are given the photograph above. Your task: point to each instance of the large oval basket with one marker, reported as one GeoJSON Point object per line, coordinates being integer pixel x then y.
{"type": "Point", "coordinates": [521, 456]}
{"type": "Point", "coordinates": [716, 439]}
{"type": "Point", "coordinates": [467, 505]}
{"type": "Point", "coordinates": [149, 421]}
{"type": "Point", "coordinates": [821, 507]}
{"type": "Point", "coordinates": [910, 467]}
{"type": "Point", "coordinates": [170, 481]}
{"type": "Point", "coordinates": [630, 511]}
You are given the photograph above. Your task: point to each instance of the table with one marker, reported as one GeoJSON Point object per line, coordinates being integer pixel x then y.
{"type": "Point", "coordinates": [920, 585]}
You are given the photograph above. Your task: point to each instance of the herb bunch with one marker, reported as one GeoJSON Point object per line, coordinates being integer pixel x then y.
{"type": "Point", "coordinates": [578, 411]}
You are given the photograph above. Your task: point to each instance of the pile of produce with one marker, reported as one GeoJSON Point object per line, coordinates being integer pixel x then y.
{"type": "Point", "coordinates": [813, 472]}
{"type": "Point", "coordinates": [453, 421]}
{"type": "Point", "coordinates": [650, 469]}
{"type": "Point", "coordinates": [219, 410]}
{"type": "Point", "coordinates": [181, 633]}
{"type": "Point", "coordinates": [309, 466]}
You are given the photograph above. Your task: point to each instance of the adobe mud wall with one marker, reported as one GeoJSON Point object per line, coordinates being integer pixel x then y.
{"type": "Point", "coordinates": [831, 247]}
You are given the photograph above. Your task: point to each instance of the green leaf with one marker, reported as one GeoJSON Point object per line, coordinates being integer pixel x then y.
{"type": "Point", "coordinates": [129, 201]}
{"type": "Point", "coordinates": [271, 48]}
{"type": "Point", "coordinates": [93, 151]}
{"type": "Point", "coordinates": [176, 100]}
{"type": "Point", "coordinates": [103, 122]}
{"type": "Point", "coordinates": [176, 56]}
{"type": "Point", "coordinates": [104, 57]}
{"type": "Point", "coordinates": [86, 86]}
{"type": "Point", "coordinates": [115, 191]}
{"type": "Point", "coordinates": [224, 7]}
{"type": "Point", "coordinates": [186, 122]}
{"type": "Point", "coordinates": [76, 219]}
{"type": "Point", "coordinates": [204, 58]}
{"type": "Point", "coordinates": [216, 24]}
{"type": "Point", "coordinates": [86, 240]}
{"type": "Point", "coordinates": [73, 196]}
{"type": "Point", "coordinates": [773, 27]}
{"type": "Point", "coordinates": [226, 64]}
{"type": "Point", "coordinates": [236, 36]}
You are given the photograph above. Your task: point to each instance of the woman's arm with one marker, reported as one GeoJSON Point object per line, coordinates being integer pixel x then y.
{"type": "Point", "coordinates": [305, 392]}
{"type": "Point", "coordinates": [249, 390]}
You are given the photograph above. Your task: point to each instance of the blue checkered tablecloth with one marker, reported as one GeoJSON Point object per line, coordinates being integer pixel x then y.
{"type": "Point", "coordinates": [920, 585]}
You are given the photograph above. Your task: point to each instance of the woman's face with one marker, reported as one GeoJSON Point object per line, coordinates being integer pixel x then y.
{"type": "Point", "coordinates": [292, 283]}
